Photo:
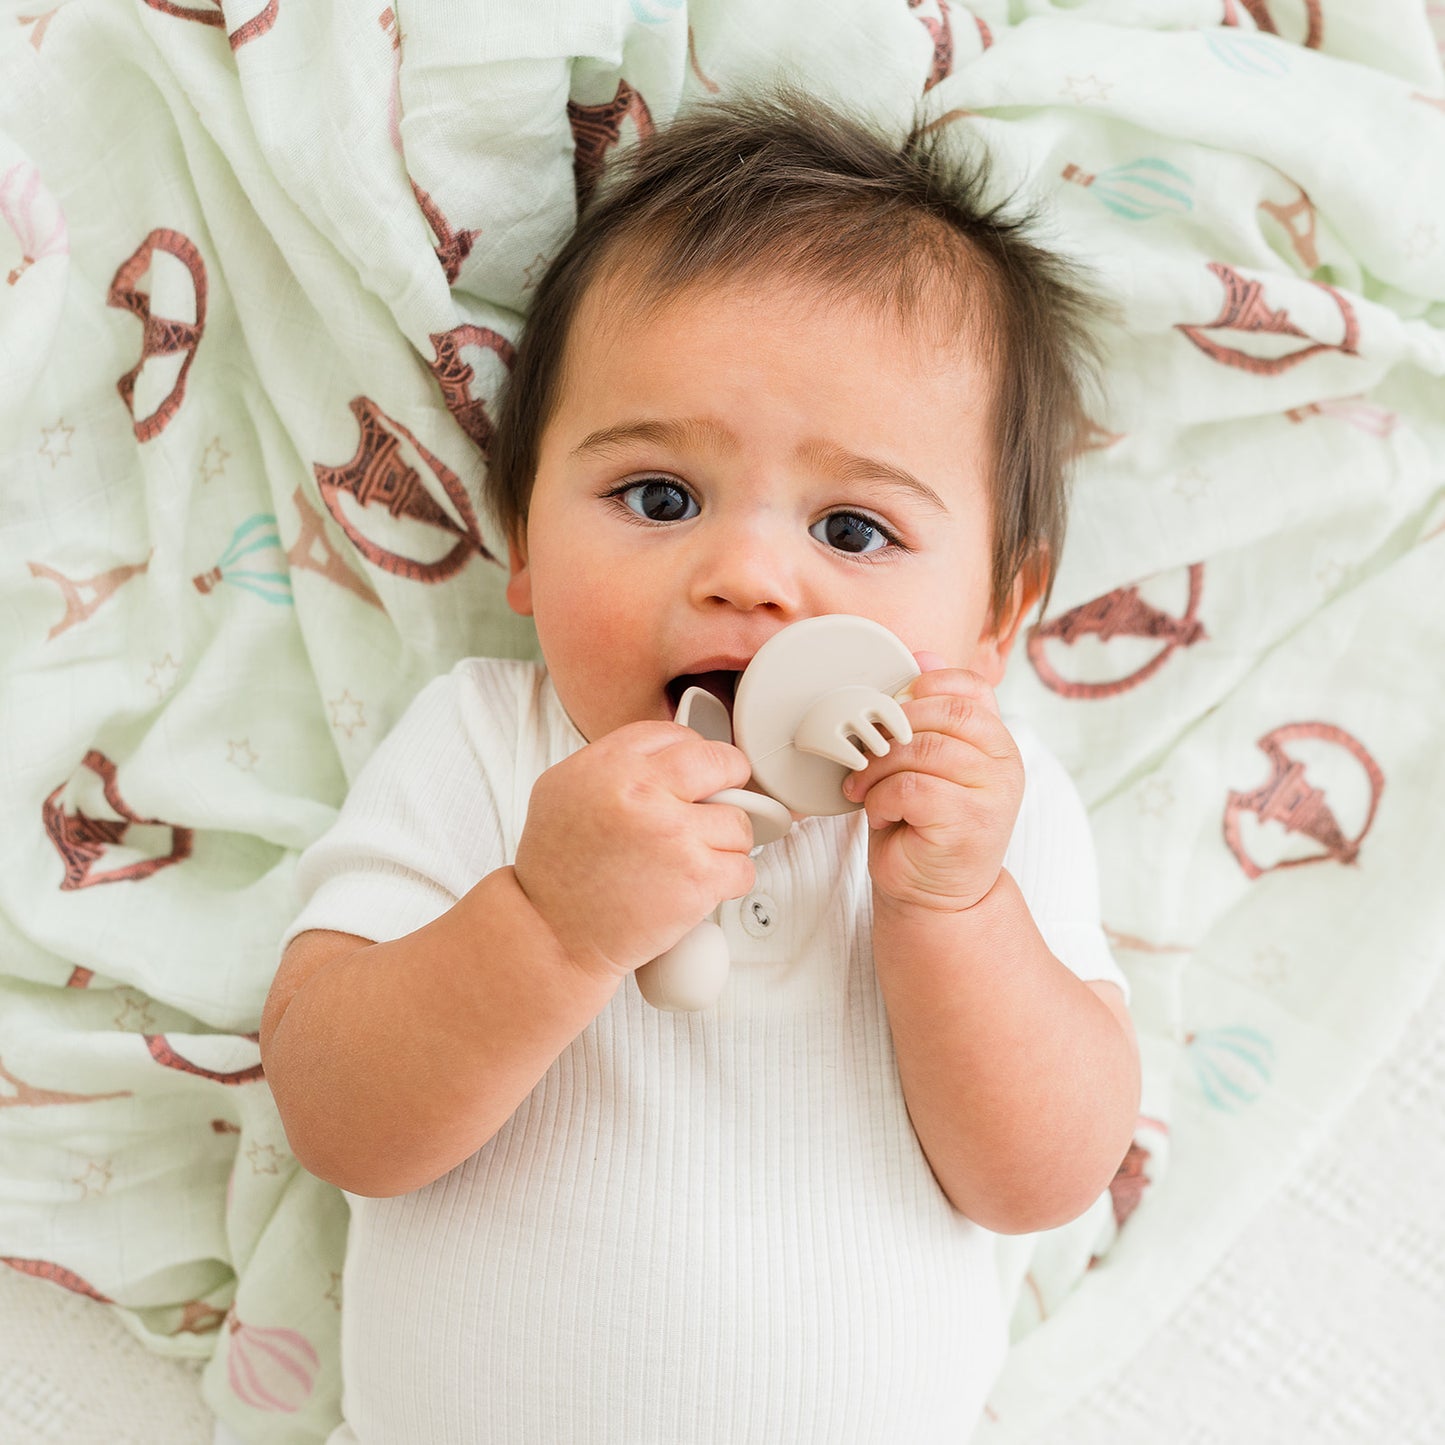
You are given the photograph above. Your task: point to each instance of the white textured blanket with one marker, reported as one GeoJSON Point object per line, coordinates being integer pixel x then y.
{"type": "Point", "coordinates": [263, 268]}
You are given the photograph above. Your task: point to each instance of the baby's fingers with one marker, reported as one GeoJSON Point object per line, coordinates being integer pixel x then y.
{"type": "Point", "coordinates": [725, 828]}
{"type": "Point", "coordinates": [923, 800]}
{"type": "Point", "coordinates": [682, 763]}
{"type": "Point", "coordinates": [963, 706]}
{"type": "Point", "coordinates": [694, 767]}
{"type": "Point", "coordinates": [932, 755]}
{"type": "Point", "coordinates": [954, 682]}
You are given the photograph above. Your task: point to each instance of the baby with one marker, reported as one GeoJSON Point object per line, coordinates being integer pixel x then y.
{"type": "Point", "coordinates": [785, 367]}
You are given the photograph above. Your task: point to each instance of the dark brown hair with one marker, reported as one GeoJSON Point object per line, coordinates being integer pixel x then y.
{"type": "Point", "coordinates": [784, 185]}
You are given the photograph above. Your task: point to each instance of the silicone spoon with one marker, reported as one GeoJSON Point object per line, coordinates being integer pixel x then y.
{"type": "Point", "coordinates": [692, 973]}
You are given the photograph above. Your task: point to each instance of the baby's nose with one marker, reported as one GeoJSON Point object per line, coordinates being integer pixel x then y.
{"type": "Point", "coordinates": [748, 570]}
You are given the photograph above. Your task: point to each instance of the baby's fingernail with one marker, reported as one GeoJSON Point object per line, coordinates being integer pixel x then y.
{"type": "Point", "coordinates": [852, 788]}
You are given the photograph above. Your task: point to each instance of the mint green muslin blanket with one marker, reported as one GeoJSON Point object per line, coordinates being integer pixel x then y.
{"type": "Point", "coordinates": [264, 265]}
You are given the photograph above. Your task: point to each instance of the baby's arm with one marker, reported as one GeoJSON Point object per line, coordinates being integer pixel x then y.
{"type": "Point", "coordinates": [393, 1062]}
{"type": "Point", "coordinates": [1022, 1081]}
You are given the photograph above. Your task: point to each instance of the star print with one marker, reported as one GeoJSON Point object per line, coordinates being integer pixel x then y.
{"type": "Point", "coordinates": [163, 674]}
{"type": "Point", "coordinates": [357, 718]}
{"type": "Point", "coordinates": [333, 1293]}
{"type": "Point", "coordinates": [136, 1017]}
{"type": "Point", "coordinates": [242, 755]}
{"type": "Point", "coordinates": [94, 1180]}
{"type": "Point", "coordinates": [533, 273]}
{"type": "Point", "coordinates": [47, 448]}
{"type": "Point", "coordinates": [1271, 966]}
{"type": "Point", "coordinates": [1156, 797]}
{"type": "Point", "coordinates": [264, 1159]}
{"type": "Point", "coordinates": [1191, 484]}
{"type": "Point", "coordinates": [213, 460]}
{"type": "Point", "coordinates": [1088, 89]}
{"type": "Point", "coordinates": [1421, 241]}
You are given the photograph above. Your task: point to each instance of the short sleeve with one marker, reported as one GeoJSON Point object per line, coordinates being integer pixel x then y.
{"type": "Point", "coordinates": [1051, 857]}
{"type": "Point", "coordinates": [422, 822]}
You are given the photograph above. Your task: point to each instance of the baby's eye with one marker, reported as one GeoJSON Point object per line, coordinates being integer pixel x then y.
{"type": "Point", "coordinates": [659, 501]}
{"type": "Point", "coordinates": [850, 532]}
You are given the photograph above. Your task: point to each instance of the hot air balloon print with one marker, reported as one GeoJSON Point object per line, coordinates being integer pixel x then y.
{"type": "Point", "coordinates": [1259, 13]}
{"type": "Point", "coordinates": [35, 217]}
{"type": "Point", "coordinates": [1251, 55]}
{"type": "Point", "coordinates": [385, 479]}
{"type": "Point", "coordinates": [597, 128]}
{"type": "Point", "coordinates": [1139, 190]}
{"type": "Point", "coordinates": [1122, 638]}
{"type": "Point", "coordinates": [657, 12]}
{"type": "Point", "coordinates": [162, 335]}
{"type": "Point", "coordinates": [1245, 312]}
{"type": "Point", "coordinates": [86, 839]}
{"type": "Point", "coordinates": [1358, 411]}
{"type": "Point", "coordinates": [1233, 1065]}
{"type": "Point", "coordinates": [256, 534]}
{"type": "Point", "coordinates": [270, 1369]}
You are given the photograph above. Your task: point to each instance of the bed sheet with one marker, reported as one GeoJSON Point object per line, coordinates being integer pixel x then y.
{"type": "Point", "coordinates": [264, 266]}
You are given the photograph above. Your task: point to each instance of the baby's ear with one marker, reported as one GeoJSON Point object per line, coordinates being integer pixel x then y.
{"type": "Point", "coordinates": [991, 656]}
{"type": "Point", "coordinates": [519, 583]}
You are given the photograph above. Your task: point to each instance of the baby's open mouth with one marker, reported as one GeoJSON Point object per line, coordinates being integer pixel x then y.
{"type": "Point", "coordinates": [722, 685]}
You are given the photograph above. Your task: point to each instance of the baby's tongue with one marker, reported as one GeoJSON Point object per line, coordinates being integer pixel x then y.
{"type": "Point", "coordinates": [721, 685]}
{"type": "Point", "coordinates": [714, 720]}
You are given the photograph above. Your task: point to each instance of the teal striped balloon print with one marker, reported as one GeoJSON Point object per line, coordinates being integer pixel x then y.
{"type": "Point", "coordinates": [1233, 1065]}
{"type": "Point", "coordinates": [1250, 55]}
{"type": "Point", "coordinates": [1139, 190]}
{"type": "Point", "coordinates": [657, 12]}
{"type": "Point", "coordinates": [256, 534]}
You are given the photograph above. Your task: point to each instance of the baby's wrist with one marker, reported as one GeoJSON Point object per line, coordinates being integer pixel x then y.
{"type": "Point", "coordinates": [907, 935]}
{"type": "Point", "coordinates": [922, 903]}
{"type": "Point", "coordinates": [579, 954]}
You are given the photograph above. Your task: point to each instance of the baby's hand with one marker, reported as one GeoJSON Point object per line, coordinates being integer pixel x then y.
{"type": "Point", "coordinates": [619, 856]}
{"type": "Point", "coordinates": [942, 807]}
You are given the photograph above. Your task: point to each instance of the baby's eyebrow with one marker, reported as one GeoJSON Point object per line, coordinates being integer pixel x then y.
{"type": "Point", "coordinates": [685, 433]}
{"type": "Point", "coordinates": [850, 467]}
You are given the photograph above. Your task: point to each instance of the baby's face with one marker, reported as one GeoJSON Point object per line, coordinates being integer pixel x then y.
{"type": "Point", "coordinates": [743, 458]}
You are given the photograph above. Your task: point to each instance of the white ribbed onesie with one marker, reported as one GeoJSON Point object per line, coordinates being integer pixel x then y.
{"type": "Point", "coordinates": [699, 1229]}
